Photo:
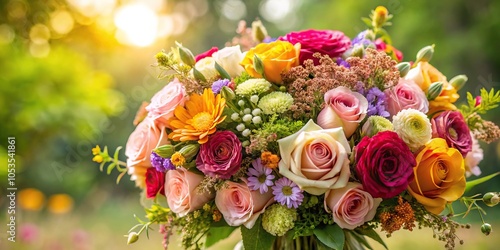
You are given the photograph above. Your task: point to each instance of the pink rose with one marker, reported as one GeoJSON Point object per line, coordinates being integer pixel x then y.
{"type": "Point", "coordinates": [221, 156]}
{"type": "Point", "coordinates": [407, 94]}
{"type": "Point", "coordinates": [344, 108]}
{"type": "Point", "coordinates": [164, 102]}
{"type": "Point", "coordinates": [147, 136]}
{"type": "Point", "coordinates": [351, 206]}
{"type": "Point", "coordinates": [327, 42]}
{"type": "Point", "coordinates": [181, 191]}
{"type": "Point", "coordinates": [315, 159]}
{"type": "Point", "coordinates": [239, 205]}
{"type": "Point", "coordinates": [207, 53]}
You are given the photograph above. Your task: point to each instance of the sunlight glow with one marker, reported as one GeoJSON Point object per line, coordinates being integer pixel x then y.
{"type": "Point", "coordinates": [137, 24]}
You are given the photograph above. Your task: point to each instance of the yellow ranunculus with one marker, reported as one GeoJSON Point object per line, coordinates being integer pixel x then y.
{"type": "Point", "coordinates": [277, 57]}
{"type": "Point", "coordinates": [439, 176]}
{"type": "Point", "coordinates": [424, 74]}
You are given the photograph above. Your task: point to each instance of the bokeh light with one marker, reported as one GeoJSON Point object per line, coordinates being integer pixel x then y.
{"type": "Point", "coordinates": [62, 21]}
{"type": "Point", "coordinates": [31, 199]}
{"type": "Point", "coordinates": [137, 24]}
{"type": "Point", "coordinates": [60, 203]}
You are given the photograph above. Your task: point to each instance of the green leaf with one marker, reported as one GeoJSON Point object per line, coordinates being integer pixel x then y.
{"type": "Point", "coordinates": [110, 167]}
{"type": "Point", "coordinates": [473, 183]}
{"type": "Point", "coordinates": [372, 234]}
{"type": "Point", "coordinates": [358, 237]}
{"type": "Point", "coordinates": [217, 233]}
{"type": "Point", "coordinates": [256, 238]}
{"type": "Point", "coordinates": [198, 75]}
{"type": "Point", "coordinates": [367, 21]}
{"type": "Point", "coordinates": [331, 235]}
{"type": "Point", "coordinates": [222, 72]}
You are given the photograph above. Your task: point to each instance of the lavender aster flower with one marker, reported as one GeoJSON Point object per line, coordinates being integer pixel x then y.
{"type": "Point", "coordinates": [286, 192]}
{"type": "Point", "coordinates": [259, 177]}
{"type": "Point", "coordinates": [361, 39]}
{"type": "Point", "coordinates": [157, 162]}
{"type": "Point", "coordinates": [343, 62]}
{"type": "Point", "coordinates": [217, 85]}
{"type": "Point", "coordinates": [376, 102]}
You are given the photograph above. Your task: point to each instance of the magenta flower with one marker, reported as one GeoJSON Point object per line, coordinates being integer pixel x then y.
{"type": "Point", "coordinates": [286, 192]}
{"type": "Point", "coordinates": [220, 156]}
{"type": "Point", "coordinates": [259, 177]}
{"type": "Point", "coordinates": [451, 126]}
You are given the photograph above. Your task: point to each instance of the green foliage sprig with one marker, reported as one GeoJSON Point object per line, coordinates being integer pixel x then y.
{"type": "Point", "coordinates": [479, 105]}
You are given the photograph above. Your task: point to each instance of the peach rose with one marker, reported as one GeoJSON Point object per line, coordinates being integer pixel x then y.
{"type": "Point", "coordinates": [351, 206]}
{"type": "Point", "coordinates": [239, 205]}
{"type": "Point", "coordinates": [147, 136]}
{"type": "Point", "coordinates": [278, 57]}
{"type": "Point", "coordinates": [164, 102]}
{"type": "Point", "coordinates": [439, 176]}
{"type": "Point", "coordinates": [315, 159]}
{"type": "Point", "coordinates": [344, 108]}
{"type": "Point", "coordinates": [181, 191]}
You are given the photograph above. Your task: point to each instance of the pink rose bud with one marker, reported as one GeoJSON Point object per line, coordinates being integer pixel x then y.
{"type": "Point", "coordinates": [478, 101]}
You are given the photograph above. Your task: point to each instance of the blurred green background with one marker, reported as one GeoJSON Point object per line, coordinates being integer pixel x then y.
{"type": "Point", "coordinates": [74, 72]}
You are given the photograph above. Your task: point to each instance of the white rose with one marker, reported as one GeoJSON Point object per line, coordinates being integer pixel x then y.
{"type": "Point", "coordinates": [315, 159]}
{"type": "Point", "coordinates": [206, 67]}
{"type": "Point", "coordinates": [229, 59]}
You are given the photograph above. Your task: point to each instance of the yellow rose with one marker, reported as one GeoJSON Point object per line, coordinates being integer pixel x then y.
{"type": "Point", "coordinates": [424, 74]}
{"type": "Point", "coordinates": [277, 57]}
{"type": "Point", "coordinates": [439, 176]}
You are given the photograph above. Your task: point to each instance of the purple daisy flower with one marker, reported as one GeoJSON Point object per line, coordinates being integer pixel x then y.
{"type": "Point", "coordinates": [259, 177]}
{"type": "Point", "coordinates": [218, 85]}
{"type": "Point", "coordinates": [286, 192]}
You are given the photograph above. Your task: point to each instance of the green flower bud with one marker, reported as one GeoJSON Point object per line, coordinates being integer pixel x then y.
{"type": "Point", "coordinates": [358, 51]}
{"type": "Point", "coordinates": [376, 124]}
{"type": "Point", "coordinates": [486, 229]}
{"type": "Point", "coordinates": [258, 65]}
{"type": "Point", "coordinates": [425, 54]}
{"type": "Point", "coordinates": [187, 56]}
{"type": "Point", "coordinates": [198, 75]}
{"type": "Point", "coordinates": [222, 72]}
{"type": "Point", "coordinates": [165, 151]}
{"type": "Point", "coordinates": [491, 199]}
{"type": "Point", "coordinates": [259, 32]}
{"type": "Point", "coordinates": [227, 93]}
{"type": "Point", "coordinates": [132, 237]}
{"type": "Point", "coordinates": [403, 68]}
{"type": "Point", "coordinates": [434, 90]}
{"type": "Point", "coordinates": [458, 81]}
{"type": "Point", "coordinates": [189, 151]}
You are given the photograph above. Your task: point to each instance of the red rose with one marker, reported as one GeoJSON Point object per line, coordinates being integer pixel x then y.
{"type": "Point", "coordinates": [220, 156]}
{"type": "Point", "coordinates": [155, 183]}
{"type": "Point", "coordinates": [327, 42]}
{"type": "Point", "coordinates": [207, 53]}
{"type": "Point", "coordinates": [384, 164]}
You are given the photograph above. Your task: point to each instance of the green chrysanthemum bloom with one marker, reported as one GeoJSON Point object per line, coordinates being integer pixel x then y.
{"type": "Point", "coordinates": [252, 87]}
{"type": "Point", "coordinates": [413, 127]}
{"type": "Point", "coordinates": [278, 219]}
{"type": "Point", "coordinates": [275, 103]}
{"type": "Point", "coordinates": [376, 124]}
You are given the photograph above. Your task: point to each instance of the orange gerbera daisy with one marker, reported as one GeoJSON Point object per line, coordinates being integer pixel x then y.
{"type": "Point", "coordinates": [198, 118]}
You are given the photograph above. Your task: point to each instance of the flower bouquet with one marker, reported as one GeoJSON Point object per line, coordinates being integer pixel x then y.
{"type": "Point", "coordinates": [308, 141]}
